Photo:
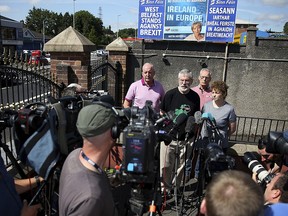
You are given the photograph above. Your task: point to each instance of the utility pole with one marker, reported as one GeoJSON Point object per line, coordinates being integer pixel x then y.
{"type": "Point", "coordinates": [74, 14]}
{"type": "Point", "coordinates": [43, 34]}
{"type": "Point", "coordinates": [118, 24]}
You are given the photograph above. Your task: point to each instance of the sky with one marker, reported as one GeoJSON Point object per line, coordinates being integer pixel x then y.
{"type": "Point", "coordinates": [119, 14]}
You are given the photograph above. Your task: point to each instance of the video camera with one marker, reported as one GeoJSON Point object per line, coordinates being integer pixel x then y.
{"type": "Point", "coordinates": [140, 142]}
{"type": "Point", "coordinates": [141, 153]}
{"type": "Point", "coordinates": [277, 142]}
{"type": "Point", "coordinates": [7, 118]}
{"type": "Point", "coordinates": [216, 161]}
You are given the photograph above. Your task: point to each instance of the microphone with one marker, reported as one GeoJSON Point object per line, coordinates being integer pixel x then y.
{"type": "Point", "coordinates": [167, 116]}
{"type": "Point", "coordinates": [208, 116]}
{"type": "Point", "coordinates": [198, 117]}
{"type": "Point", "coordinates": [179, 120]}
{"type": "Point", "coordinates": [189, 126]}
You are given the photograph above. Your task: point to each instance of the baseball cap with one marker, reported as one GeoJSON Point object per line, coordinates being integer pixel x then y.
{"type": "Point", "coordinates": [94, 120]}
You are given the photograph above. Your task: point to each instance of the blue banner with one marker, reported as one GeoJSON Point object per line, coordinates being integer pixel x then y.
{"type": "Point", "coordinates": [151, 19]}
{"type": "Point", "coordinates": [196, 20]}
{"type": "Point", "coordinates": [180, 15]}
{"type": "Point", "coordinates": [221, 17]}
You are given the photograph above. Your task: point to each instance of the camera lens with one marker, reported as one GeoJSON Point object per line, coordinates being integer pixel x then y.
{"type": "Point", "coordinates": [254, 165]}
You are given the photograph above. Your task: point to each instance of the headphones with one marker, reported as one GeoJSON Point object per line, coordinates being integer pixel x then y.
{"type": "Point", "coordinates": [115, 129]}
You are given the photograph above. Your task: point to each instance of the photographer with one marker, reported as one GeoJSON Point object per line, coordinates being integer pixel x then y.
{"type": "Point", "coordinates": [84, 187]}
{"type": "Point", "coordinates": [234, 193]}
{"type": "Point", "coordinates": [10, 202]}
{"type": "Point", "coordinates": [277, 189]}
{"type": "Point", "coordinates": [272, 162]}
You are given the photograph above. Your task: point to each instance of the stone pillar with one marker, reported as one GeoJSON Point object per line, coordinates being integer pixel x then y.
{"type": "Point", "coordinates": [118, 53]}
{"type": "Point", "coordinates": [251, 39]}
{"type": "Point", "coordinates": [71, 68]}
{"type": "Point", "coordinates": [70, 57]}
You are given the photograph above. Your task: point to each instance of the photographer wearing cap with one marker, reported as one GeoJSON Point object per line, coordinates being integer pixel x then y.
{"type": "Point", "coordinates": [84, 187]}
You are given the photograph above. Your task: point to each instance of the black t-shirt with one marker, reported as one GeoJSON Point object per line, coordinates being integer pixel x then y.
{"type": "Point", "coordinates": [173, 100]}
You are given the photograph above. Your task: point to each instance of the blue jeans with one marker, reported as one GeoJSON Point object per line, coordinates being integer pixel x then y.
{"type": "Point", "coordinates": [188, 167]}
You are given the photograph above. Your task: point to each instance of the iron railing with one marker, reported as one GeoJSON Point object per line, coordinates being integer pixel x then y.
{"type": "Point", "coordinates": [251, 129]}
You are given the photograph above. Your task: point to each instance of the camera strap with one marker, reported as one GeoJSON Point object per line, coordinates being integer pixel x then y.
{"type": "Point", "coordinates": [91, 162]}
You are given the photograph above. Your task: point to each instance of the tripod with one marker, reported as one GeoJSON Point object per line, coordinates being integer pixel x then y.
{"type": "Point", "coordinates": [201, 141]}
{"type": "Point", "coordinates": [138, 202]}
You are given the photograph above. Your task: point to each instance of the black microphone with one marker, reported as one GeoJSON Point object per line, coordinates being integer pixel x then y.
{"type": "Point", "coordinates": [167, 116]}
{"type": "Point", "coordinates": [190, 124]}
{"type": "Point", "coordinates": [180, 119]}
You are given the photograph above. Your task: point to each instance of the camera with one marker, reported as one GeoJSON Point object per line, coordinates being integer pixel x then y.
{"type": "Point", "coordinates": [216, 161]}
{"type": "Point", "coordinates": [141, 155]}
{"type": "Point", "coordinates": [253, 164]}
{"type": "Point", "coordinates": [277, 142]}
{"type": "Point", "coordinates": [139, 142]}
{"type": "Point", "coordinates": [7, 118]}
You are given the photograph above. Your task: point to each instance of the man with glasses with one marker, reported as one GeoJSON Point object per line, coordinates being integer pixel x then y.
{"type": "Point", "coordinates": [205, 93]}
{"type": "Point", "coordinates": [203, 89]}
{"type": "Point", "coordinates": [181, 97]}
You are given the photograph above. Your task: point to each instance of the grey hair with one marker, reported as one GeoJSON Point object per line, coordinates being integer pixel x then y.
{"type": "Point", "coordinates": [185, 72]}
{"type": "Point", "coordinates": [205, 69]}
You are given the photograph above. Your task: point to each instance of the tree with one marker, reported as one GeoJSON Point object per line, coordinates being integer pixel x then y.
{"type": "Point", "coordinates": [90, 26]}
{"type": "Point", "coordinates": [128, 32]}
{"type": "Point", "coordinates": [285, 28]}
{"type": "Point", "coordinates": [37, 17]}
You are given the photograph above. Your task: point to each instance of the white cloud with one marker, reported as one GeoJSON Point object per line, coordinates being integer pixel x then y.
{"type": "Point", "coordinates": [271, 17]}
{"type": "Point", "coordinates": [275, 3]}
{"type": "Point", "coordinates": [33, 2]}
{"type": "Point", "coordinates": [4, 8]}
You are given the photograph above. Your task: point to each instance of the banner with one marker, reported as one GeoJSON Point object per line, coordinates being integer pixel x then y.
{"type": "Point", "coordinates": [197, 20]}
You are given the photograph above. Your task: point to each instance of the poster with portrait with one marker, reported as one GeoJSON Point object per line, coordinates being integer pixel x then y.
{"type": "Point", "coordinates": [195, 20]}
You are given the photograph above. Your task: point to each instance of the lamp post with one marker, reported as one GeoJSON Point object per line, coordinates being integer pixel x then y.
{"type": "Point", "coordinates": [118, 24]}
{"type": "Point", "coordinates": [74, 14]}
{"type": "Point", "coordinates": [43, 33]}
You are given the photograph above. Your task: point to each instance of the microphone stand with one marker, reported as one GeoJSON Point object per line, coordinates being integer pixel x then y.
{"type": "Point", "coordinates": [176, 169]}
{"type": "Point", "coordinates": [184, 174]}
{"type": "Point", "coordinates": [201, 176]}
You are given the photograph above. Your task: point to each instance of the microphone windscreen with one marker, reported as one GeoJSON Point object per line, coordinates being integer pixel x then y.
{"type": "Point", "coordinates": [189, 124]}
{"type": "Point", "coordinates": [180, 119]}
{"type": "Point", "coordinates": [197, 116]}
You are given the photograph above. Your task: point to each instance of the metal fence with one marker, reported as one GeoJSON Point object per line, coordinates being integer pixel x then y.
{"type": "Point", "coordinates": [251, 129]}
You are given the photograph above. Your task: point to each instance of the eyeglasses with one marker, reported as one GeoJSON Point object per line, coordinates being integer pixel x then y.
{"type": "Point", "coordinates": [204, 77]}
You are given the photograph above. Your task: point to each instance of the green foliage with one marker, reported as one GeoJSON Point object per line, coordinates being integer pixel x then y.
{"type": "Point", "coordinates": [128, 32]}
{"type": "Point", "coordinates": [88, 25]}
{"type": "Point", "coordinates": [285, 28]}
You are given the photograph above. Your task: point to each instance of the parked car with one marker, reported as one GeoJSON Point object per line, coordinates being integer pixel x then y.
{"type": "Point", "coordinates": [102, 52]}
{"type": "Point", "coordinates": [47, 56]}
{"type": "Point", "coordinates": [38, 60]}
